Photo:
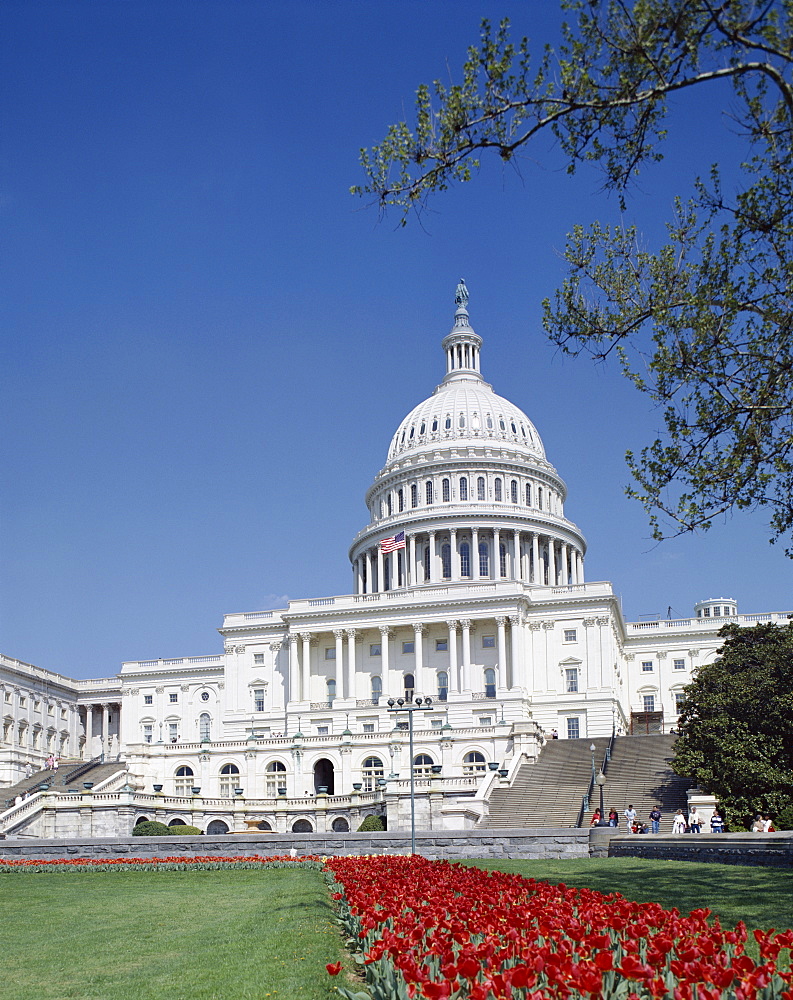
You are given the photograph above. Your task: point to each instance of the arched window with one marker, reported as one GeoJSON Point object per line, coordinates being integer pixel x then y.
{"type": "Point", "coordinates": [461, 421]}
{"type": "Point", "coordinates": [446, 560]}
{"type": "Point", "coordinates": [422, 764]}
{"type": "Point", "coordinates": [401, 500]}
{"type": "Point", "coordinates": [302, 826]}
{"type": "Point", "coordinates": [330, 683]}
{"type": "Point", "coordinates": [489, 422]}
{"type": "Point", "coordinates": [465, 560]}
{"type": "Point", "coordinates": [412, 432]}
{"type": "Point", "coordinates": [183, 781]}
{"type": "Point", "coordinates": [372, 770]}
{"type": "Point", "coordinates": [410, 685]}
{"type": "Point", "coordinates": [388, 504]}
{"type": "Point", "coordinates": [501, 424]}
{"type": "Point", "coordinates": [426, 562]}
{"type": "Point", "coordinates": [275, 778]}
{"type": "Point", "coordinates": [497, 489]}
{"type": "Point", "coordinates": [387, 573]}
{"type": "Point", "coordinates": [428, 493]}
{"type": "Point", "coordinates": [380, 508]}
{"type": "Point", "coordinates": [445, 490]}
{"type": "Point", "coordinates": [217, 827]}
{"type": "Point", "coordinates": [443, 685]}
{"type": "Point", "coordinates": [480, 488]}
{"type": "Point", "coordinates": [502, 559]}
{"type": "Point", "coordinates": [423, 428]}
{"type": "Point", "coordinates": [484, 560]}
{"type": "Point", "coordinates": [513, 491]}
{"type": "Point", "coordinates": [414, 495]}
{"type": "Point", "coordinates": [473, 762]}
{"type": "Point", "coordinates": [447, 424]}
{"type": "Point", "coordinates": [528, 494]}
{"type": "Point", "coordinates": [204, 727]}
{"type": "Point", "coordinates": [539, 497]}
{"type": "Point", "coordinates": [377, 684]}
{"type": "Point", "coordinates": [463, 488]}
{"type": "Point", "coordinates": [229, 780]}
{"type": "Point", "coordinates": [490, 682]}
{"type": "Point", "coordinates": [434, 425]}
{"type": "Point", "coordinates": [340, 825]}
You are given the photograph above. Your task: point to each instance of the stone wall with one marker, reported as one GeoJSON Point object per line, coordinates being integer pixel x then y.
{"type": "Point", "coordinates": [769, 850]}
{"type": "Point", "coordinates": [545, 843]}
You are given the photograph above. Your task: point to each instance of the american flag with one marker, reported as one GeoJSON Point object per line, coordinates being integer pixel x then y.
{"type": "Point", "coordinates": [397, 541]}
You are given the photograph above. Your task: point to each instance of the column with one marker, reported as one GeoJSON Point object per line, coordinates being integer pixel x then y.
{"type": "Point", "coordinates": [516, 673]}
{"type": "Point", "coordinates": [338, 670]}
{"type": "Point", "coordinates": [305, 667]}
{"type": "Point", "coordinates": [418, 630]}
{"type": "Point", "coordinates": [368, 557]}
{"type": "Point", "coordinates": [105, 727]}
{"type": "Point", "coordinates": [579, 558]}
{"type": "Point", "coordinates": [475, 553]}
{"type": "Point", "coordinates": [411, 576]}
{"type": "Point", "coordinates": [466, 624]}
{"type": "Point", "coordinates": [454, 682]}
{"type": "Point", "coordinates": [358, 575]}
{"type": "Point", "coordinates": [433, 568]}
{"type": "Point", "coordinates": [380, 576]}
{"type": "Point", "coordinates": [455, 578]}
{"type": "Point", "coordinates": [535, 558]}
{"type": "Point", "coordinates": [88, 749]}
{"type": "Point", "coordinates": [294, 669]}
{"type": "Point", "coordinates": [501, 622]}
{"type": "Point", "coordinates": [385, 632]}
{"type": "Point", "coordinates": [517, 569]}
{"type": "Point", "coordinates": [348, 674]}
{"type": "Point", "coordinates": [563, 575]}
{"type": "Point", "coordinates": [551, 562]}
{"type": "Point", "coordinates": [496, 554]}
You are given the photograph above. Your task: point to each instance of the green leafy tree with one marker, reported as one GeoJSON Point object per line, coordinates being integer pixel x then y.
{"type": "Point", "coordinates": [737, 722]}
{"type": "Point", "coordinates": [704, 324]}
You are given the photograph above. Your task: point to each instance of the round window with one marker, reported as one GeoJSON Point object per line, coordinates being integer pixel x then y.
{"type": "Point", "coordinates": [205, 696]}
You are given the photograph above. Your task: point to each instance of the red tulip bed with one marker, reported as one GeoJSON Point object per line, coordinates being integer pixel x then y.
{"type": "Point", "coordinates": [430, 930]}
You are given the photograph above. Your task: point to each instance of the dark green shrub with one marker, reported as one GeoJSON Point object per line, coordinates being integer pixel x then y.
{"type": "Point", "coordinates": [182, 831]}
{"type": "Point", "coordinates": [784, 819]}
{"type": "Point", "coordinates": [149, 828]}
{"type": "Point", "coordinates": [371, 824]}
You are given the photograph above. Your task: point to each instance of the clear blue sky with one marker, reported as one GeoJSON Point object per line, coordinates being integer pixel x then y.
{"type": "Point", "coordinates": [207, 343]}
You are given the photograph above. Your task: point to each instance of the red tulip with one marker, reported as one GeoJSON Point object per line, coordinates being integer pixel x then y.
{"type": "Point", "coordinates": [334, 969]}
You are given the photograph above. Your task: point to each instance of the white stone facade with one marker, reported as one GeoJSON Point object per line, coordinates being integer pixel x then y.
{"type": "Point", "coordinates": [484, 608]}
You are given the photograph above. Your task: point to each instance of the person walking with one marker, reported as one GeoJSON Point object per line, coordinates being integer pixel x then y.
{"type": "Point", "coordinates": [716, 822]}
{"type": "Point", "coordinates": [28, 770]}
{"type": "Point", "coordinates": [630, 817]}
{"type": "Point", "coordinates": [655, 820]}
{"type": "Point", "coordinates": [614, 819]}
{"type": "Point", "coordinates": [694, 821]}
{"type": "Point", "coordinates": [679, 822]}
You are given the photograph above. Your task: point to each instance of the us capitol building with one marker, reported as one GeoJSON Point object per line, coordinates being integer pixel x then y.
{"type": "Point", "coordinates": [468, 590]}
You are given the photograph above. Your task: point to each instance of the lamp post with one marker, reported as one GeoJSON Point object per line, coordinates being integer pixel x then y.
{"type": "Point", "coordinates": [592, 751]}
{"type": "Point", "coordinates": [417, 705]}
{"type": "Point", "coordinates": [600, 781]}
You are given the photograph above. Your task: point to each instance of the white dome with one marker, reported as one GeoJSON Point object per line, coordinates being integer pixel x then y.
{"type": "Point", "coordinates": [465, 411]}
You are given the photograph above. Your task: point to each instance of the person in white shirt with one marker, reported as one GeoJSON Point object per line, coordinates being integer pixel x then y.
{"type": "Point", "coordinates": [630, 817]}
{"type": "Point", "coordinates": [694, 821]}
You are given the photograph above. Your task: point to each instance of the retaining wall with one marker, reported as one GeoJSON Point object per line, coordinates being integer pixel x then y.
{"type": "Point", "coordinates": [544, 843]}
{"type": "Point", "coordinates": [769, 850]}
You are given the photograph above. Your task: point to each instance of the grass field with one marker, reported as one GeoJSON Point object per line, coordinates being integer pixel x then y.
{"type": "Point", "coordinates": [168, 936]}
{"type": "Point", "coordinates": [761, 897]}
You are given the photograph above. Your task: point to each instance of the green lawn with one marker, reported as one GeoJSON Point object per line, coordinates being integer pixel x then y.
{"type": "Point", "coordinates": [168, 936]}
{"type": "Point", "coordinates": [762, 897]}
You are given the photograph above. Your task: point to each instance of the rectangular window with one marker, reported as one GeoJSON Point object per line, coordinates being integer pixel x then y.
{"type": "Point", "coordinates": [37, 705]}
{"type": "Point", "coordinates": [679, 699]}
{"type": "Point", "coordinates": [322, 730]}
{"type": "Point", "coordinates": [707, 612]}
{"type": "Point", "coordinates": [408, 647]}
{"type": "Point", "coordinates": [647, 666]}
{"type": "Point", "coordinates": [50, 710]}
{"type": "Point", "coordinates": [573, 729]}
{"type": "Point", "coordinates": [375, 649]}
{"type": "Point", "coordinates": [330, 652]}
{"type": "Point", "coordinates": [368, 727]}
{"type": "Point", "coordinates": [488, 642]}
{"type": "Point", "coordinates": [569, 635]}
{"type": "Point", "coordinates": [436, 723]}
{"type": "Point", "coordinates": [486, 720]}
{"type": "Point", "coordinates": [649, 702]}
{"type": "Point", "coordinates": [147, 732]}
{"type": "Point", "coordinates": [441, 645]}
{"type": "Point", "coordinates": [8, 696]}
{"type": "Point", "coordinates": [22, 701]}
{"type": "Point", "coordinates": [679, 664]}
{"type": "Point", "coordinates": [173, 697]}
{"type": "Point", "coordinates": [258, 659]}
{"type": "Point", "coordinates": [63, 713]}
{"type": "Point", "coordinates": [258, 699]}
{"type": "Point", "coordinates": [401, 725]}
{"type": "Point", "coordinates": [173, 731]}
{"type": "Point", "coordinates": [571, 680]}
{"type": "Point", "coordinates": [717, 611]}
{"type": "Point", "coordinates": [148, 699]}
